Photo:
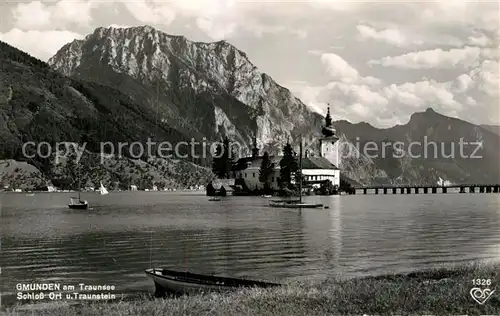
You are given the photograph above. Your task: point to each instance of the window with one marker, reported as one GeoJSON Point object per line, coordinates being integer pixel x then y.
{"type": "Point", "coordinates": [245, 174]}
{"type": "Point", "coordinates": [254, 174]}
{"type": "Point", "coordinates": [272, 179]}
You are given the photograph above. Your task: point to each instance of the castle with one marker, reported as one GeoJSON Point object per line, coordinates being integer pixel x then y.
{"type": "Point", "coordinates": [316, 170]}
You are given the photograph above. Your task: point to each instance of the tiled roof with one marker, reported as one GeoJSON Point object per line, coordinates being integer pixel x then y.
{"type": "Point", "coordinates": [307, 162]}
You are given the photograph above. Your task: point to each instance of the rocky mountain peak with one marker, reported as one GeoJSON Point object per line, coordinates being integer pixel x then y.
{"type": "Point", "coordinates": [212, 87]}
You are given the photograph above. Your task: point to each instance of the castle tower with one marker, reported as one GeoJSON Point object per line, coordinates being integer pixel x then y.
{"type": "Point", "coordinates": [327, 141]}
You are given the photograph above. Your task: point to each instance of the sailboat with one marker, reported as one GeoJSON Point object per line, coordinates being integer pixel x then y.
{"type": "Point", "coordinates": [296, 203]}
{"type": "Point", "coordinates": [103, 190]}
{"type": "Point", "coordinates": [78, 203]}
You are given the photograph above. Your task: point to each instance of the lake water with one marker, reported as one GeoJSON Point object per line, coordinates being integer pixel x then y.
{"type": "Point", "coordinates": [126, 232]}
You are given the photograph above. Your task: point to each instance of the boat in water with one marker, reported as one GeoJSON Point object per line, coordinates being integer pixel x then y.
{"type": "Point", "coordinates": [213, 199]}
{"type": "Point", "coordinates": [174, 282]}
{"type": "Point", "coordinates": [77, 202]}
{"type": "Point", "coordinates": [288, 204]}
{"type": "Point", "coordinates": [103, 190]}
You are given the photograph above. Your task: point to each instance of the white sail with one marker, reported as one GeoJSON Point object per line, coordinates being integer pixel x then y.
{"type": "Point", "coordinates": [103, 190]}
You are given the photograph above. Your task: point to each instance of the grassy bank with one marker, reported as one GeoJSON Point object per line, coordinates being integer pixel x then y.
{"type": "Point", "coordinates": [436, 292]}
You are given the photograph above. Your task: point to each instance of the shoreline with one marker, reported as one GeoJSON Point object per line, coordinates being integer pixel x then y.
{"type": "Point", "coordinates": [431, 292]}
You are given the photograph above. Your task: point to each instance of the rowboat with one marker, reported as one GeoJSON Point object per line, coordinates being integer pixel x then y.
{"type": "Point", "coordinates": [77, 203]}
{"type": "Point", "coordinates": [287, 204]}
{"type": "Point", "coordinates": [173, 282]}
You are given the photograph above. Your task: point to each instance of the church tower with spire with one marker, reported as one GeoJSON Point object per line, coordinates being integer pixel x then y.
{"type": "Point", "coordinates": [327, 142]}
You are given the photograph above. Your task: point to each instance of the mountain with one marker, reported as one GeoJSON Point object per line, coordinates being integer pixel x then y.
{"type": "Point", "coordinates": [435, 151]}
{"type": "Point", "coordinates": [492, 128]}
{"type": "Point", "coordinates": [213, 90]}
{"type": "Point", "coordinates": [200, 89]}
{"type": "Point", "coordinates": [128, 85]}
{"type": "Point", "coordinates": [38, 104]}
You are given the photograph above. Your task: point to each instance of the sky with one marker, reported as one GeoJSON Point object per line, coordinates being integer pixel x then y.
{"type": "Point", "coordinates": [375, 62]}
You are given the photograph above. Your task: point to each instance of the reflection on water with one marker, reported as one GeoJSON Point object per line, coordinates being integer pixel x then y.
{"type": "Point", "coordinates": [125, 233]}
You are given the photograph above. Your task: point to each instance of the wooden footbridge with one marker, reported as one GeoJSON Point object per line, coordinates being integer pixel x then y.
{"type": "Point", "coordinates": [428, 189]}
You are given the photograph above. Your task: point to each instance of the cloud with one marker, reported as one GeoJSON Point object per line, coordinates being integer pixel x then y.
{"type": "Point", "coordinates": [42, 16]}
{"type": "Point", "coordinates": [423, 93]}
{"type": "Point", "coordinates": [340, 70]}
{"type": "Point", "coordinates": [486, 78]}
{"type": "Point", "coordinates": [429, 59]}
{"type": "Point", "coordinates": [155, 14]}
{"type": "Point", "coordinates": [481, 40]}
{"type": "Point", "coordinates": [384, 105]}
{"type": "Point", "coordinates": [40, 44]}
{"type": "Point", "coordinates": [389, 36]}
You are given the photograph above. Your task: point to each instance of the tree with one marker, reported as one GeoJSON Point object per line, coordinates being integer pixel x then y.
{"type": "Point", "coordinates": [265, 171]}
{"type": "Point", "coordinates": [222, 163]}
{"type": "Point", "coordinates": [288, 166]}
{"type": "Point", "coordinates": [210, 189]}
{"type": "Point", "coordinates": [299, 178]}
{"type": "Point", "coordinates": [222, 191]}
{"type": "Point", "coordinates": [227, 158]}
{"type": "Point", "coordinates": [217, 161]}
{"type": "Point", "coordinates": [327, 188]}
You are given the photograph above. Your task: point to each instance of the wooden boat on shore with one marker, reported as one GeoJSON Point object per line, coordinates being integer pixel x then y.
{"type": "Point", "coordinates": [174, 282]}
